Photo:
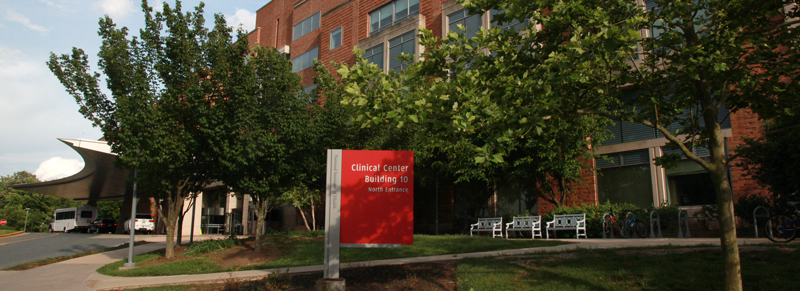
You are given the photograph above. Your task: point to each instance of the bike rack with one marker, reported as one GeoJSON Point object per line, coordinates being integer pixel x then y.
{"type": "Point", "coordinates": [605, 226]}
{"type": "Point", "coordinates": [685, 221]}
{"type": "Point", "coordinates": [654, 221]}
{"type": "Point", "coordinates": [756, 216]}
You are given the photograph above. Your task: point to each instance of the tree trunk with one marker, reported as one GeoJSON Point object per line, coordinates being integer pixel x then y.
{"type": "Point", "coordinates": [313, 216]}
{"type": "Point", "coordinates": [180, 227]}
{"type": "Point", "coordinates": [174, 205]}
{"type": "Point", "coordinates": [303, 214]}
{"type": "Point", "coordinates": [727, 223]}
{"type": "Point", "coordinates": [261, 206]}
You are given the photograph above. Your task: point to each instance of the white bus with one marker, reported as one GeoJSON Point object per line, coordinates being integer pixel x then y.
{"type": "Point", "coordinates": [73, 218]}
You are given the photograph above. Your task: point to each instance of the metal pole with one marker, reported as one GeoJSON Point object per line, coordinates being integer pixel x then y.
{"type": "Point", "coordinates": [27, 211]}
{"type": "Point", "coordinates": [194, 208]}
{"type": "Point", "coordinates": [132, 226]}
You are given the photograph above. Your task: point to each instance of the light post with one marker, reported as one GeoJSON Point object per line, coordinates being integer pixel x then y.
{"type": "Point", "coordinates": [27, 211]}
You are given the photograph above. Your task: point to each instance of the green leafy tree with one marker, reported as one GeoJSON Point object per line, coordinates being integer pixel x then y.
{"type": "Point", "coordinates": [155, 118]}
{"type": "Point", "coordinates": [773, 159]}
{"type": "Point", "coordinates": [13, 203]}
{"type": "Point", "coordinates": [109, 209]}
{"type": "Point", "coordinates": [257, 125]}
{"type": "Point", "coordinates": [588, 57]}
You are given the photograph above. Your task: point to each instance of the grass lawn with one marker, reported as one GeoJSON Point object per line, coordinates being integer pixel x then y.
{"type": "Point", "coordinates": [766, 267]}
{"type": "Point", "coordinates": [771, 267]}
{"type": "Point", "coordinates": [7, 231]}
{"type": "Point", "coordinates": [301, 250]}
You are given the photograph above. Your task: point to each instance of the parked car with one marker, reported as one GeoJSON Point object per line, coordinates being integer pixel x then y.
{"type": "Point", "coordinates": [103, 225]}
{"type": "Point", "coordinates": [143, 223]}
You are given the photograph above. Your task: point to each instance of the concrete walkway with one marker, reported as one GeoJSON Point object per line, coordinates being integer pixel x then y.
{"type": "Point", "coordinates": [81, 274]}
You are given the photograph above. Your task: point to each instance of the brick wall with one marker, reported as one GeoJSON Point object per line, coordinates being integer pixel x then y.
{"type": "Point", "coordinates": [744, 124]}
{"type": "Point", "coordinates": [275, 22]}
{"type": "Point", "coordinates": [584, 193]}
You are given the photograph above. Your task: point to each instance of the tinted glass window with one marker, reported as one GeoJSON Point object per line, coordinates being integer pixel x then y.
{"type": "Point", "coordinates": [514, 24]}
{"type": "Point", "coordinates": [306, 26]}
{"type": "Point", "coordinates": [472, 23]}
{"type": "Point", "coordinates": [375, 55]}
{"type": "Point", "coordinates": [391, 14]}
{"type": "Point", "coordinates": [403, 44]}
{"type": "Point", "coordinates": [336, 38]}
{"type": "Point", "coordinates": [305, 61]}
{"type": "Point", "coordinates": [86, 214]}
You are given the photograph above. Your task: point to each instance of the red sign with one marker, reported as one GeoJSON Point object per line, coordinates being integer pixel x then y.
{"type": "Point", "coordinates": [377, 197]}
{"type": "Point", "coordinates": [3, 222]}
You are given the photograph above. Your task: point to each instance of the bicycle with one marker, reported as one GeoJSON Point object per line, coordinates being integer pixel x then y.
{"type": "Point", "coordinates": [630, 226]}
{"type": "Point", "coordinates": [782, 228]}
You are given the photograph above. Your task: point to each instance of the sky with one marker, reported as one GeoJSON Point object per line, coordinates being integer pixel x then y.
{"type": "Point", "coordinates": [34, 108]}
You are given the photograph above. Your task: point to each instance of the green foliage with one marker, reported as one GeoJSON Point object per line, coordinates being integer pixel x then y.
{"type": "Point", "coordinates": [503, 87]}
{"type": "Point", "coordinates": [161, 83]}
{"type": "Point", "coordinates": [772, 160]}
{"type": "Point", "coordinates": [13, 203]}
{"type": "Point", "coordinates": [109, 209]}
{"type": "Point", "coordinates": [211, 245]}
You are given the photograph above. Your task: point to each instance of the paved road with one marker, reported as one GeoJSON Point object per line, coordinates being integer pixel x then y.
{"type": "Point", "coordinates": [31, 247]}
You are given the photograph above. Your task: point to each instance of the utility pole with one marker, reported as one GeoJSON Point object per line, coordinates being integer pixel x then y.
{"type": "Point", "coordinates": [27, 211]}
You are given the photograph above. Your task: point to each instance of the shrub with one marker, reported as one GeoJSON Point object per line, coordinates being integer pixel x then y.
{"type": "Point", "coordinates": [211, 245]}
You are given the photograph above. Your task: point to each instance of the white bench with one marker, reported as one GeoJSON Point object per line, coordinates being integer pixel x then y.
{"type": "Point", "coordinates": [526, 223]}
{"type": "Point", "coordinates": [493, 224]}
{"type": "Point", "coordinates": [575, 222]}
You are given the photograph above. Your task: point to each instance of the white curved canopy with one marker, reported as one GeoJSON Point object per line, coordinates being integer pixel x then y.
{"type": "Point", "coordinates": [99, 179]}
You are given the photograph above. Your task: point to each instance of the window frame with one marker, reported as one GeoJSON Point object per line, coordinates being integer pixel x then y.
{"type": "Point", "coordinates": [375, 16]}
{"type": "Point", "coordinates": [309, 21]}
{"type": "Point", "coordinates": [340, 33]}
{"type": "Point", "coordinates": [372, 52]}
{"type": "Point", "coordinates": [401, 44]}
{"type": "Point", "coordinates": [299, 66]}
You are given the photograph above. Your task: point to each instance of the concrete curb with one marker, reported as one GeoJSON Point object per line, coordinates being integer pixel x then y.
{"type": "Point", "coordinates": [11, 234]}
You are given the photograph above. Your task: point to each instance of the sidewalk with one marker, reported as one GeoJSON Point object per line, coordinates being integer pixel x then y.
{"type": "Point", "coordinates": [80, 274]}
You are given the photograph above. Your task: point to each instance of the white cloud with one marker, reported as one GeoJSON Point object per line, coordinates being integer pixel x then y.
{"type": "Point", "coordinates": [57, 168]}
{"type": "Point", "coordinates": [158, 5]}
{"type": "Point", "coordinates": [116, 9]}
{"type": "Point", "coordinates": [25, 21]}
{"type": "Point", "coordinates": [242, 17]}
{"type": "Point", "coordinates": [14, 63]}
{"type": "Point", "coordinates": [60, 6]}
{"type": "Point", "coordinates": [35, 111]}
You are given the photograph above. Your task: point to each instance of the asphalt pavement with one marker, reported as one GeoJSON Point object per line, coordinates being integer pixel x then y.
{"type": "Point", "coordinates": [30, 247]}
{"type": "Point", "coordinates": [81, 274]}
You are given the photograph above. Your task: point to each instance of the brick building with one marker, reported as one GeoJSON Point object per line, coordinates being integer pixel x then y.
{"type": "Point", "coordinates": [329, 29]}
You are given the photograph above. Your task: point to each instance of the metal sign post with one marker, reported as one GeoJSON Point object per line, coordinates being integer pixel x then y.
{"type": "Point", "coordinates": [333, 194]}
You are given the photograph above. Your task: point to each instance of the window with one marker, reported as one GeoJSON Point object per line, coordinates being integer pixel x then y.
{"type": "Point", "coordinates": [515, 24]}
{"type": "Point", "coordinates": [305, 61]}
{"type": "Point", "coordinates": [309, 88]}
{"type": "Point", "coordinates": [688, 184]}
{"type": "Point", "coordinates": [403, 44]}
{"type": "Point", "coordinates": [65, 215]}
{"type": "Point", "coordinates": [652, 6]}
{"type": "Point", "coordinates": [306, 26]}
{"type": "Point", "coordinates": [626, 179]}
{"type": "Point", "coordinates": [626, 131]}
{"type": "Point", "coordinates": [471, 22]}
{"type": "Point", "coordinates": [86, 214]}
{"type": "Point", "coordinates": [391, 14]}
{"type": "Point", "coordinates": [336, 38]}
{"type": "Point", "coordinates": [375, 55]}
